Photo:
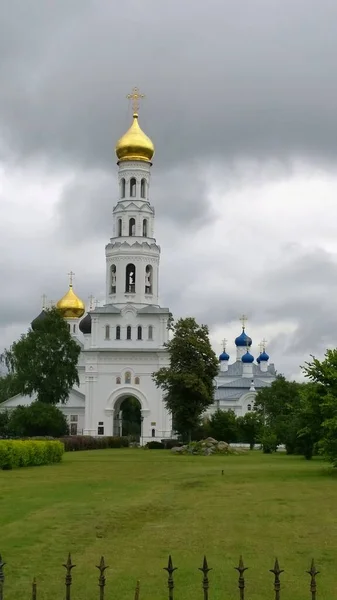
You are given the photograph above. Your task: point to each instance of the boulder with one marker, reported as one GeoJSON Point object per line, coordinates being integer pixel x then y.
{"type": "Point", "coordinates": [178, 449]}
{"type": "Point", "coordinates": [222, 446]}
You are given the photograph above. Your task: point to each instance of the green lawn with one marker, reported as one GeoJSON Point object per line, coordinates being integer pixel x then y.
{"type": "Point", "coordinates": [136, 507]}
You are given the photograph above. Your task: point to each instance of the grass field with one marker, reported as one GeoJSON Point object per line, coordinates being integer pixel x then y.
{"type": "Point", "coordinates": [136, 507]}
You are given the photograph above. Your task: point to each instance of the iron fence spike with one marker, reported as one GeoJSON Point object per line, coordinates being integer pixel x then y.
{"type": "Point", "coordinates": [137, 591]}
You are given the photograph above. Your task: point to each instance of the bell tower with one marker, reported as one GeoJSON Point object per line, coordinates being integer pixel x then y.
{"type": "Point", "coordinates": [132, 255]}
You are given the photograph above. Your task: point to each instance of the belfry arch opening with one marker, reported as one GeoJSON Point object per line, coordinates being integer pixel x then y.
{"type": "Point", "coordinates": [132, 227]}
{"type": "Point", "coordinates": [133, 185]}
{"type": "Point", "coordinates": [143, 188]}
{"type": "Point", "coordinates": [128, 417]}
{"type": "Point", "coordinates": [130, 279]}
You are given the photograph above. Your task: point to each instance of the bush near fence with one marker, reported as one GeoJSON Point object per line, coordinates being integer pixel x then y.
{"type": "Point", "coordinates": [86, 442]}
{"type": "Point", "coordinates": [29, 453]}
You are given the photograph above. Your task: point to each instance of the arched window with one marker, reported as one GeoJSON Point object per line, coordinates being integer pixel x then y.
{"type": "Point", "coordinates": [153, 433]}
{"type": "Point", "coordinates": [150, 332]}
{"type": "Point", "coordinates": [127, 377]}
{"type": "Point", "coordinates": [128, 332]}
{"type": "Point", "coordinates": [144, 227]}
{"type": "Point", "coordinates": [249, 407]}
{"type": "Point", "coordinates": [113, 279]}
{"type": "Point", "coordinates": [74, 328]}
{"type": "Point", "coordinates": [143, 188]}
{"type": "Point", "coordinates": [119, 227]}
{"type": "Point", "coordinates": [118, 332]}
{"type": "Point", "coordinates": [137, 381]}
{"type": "Point", "coordinates": [148, 279]}
{"type": "Point", "coordinates": [118, 380]}
{"type": "Point", "coordinates": [132, 227]}
{"type": "Point", "coordinates": [123, 188]}
{"type": "Point", "coordinates": [139, 332]}
{"type": "Point", "coordinates": [107, 332]}
{"type": "Point", "coordinates": [130, 279]}
{"type": "Point", "coordinates": [133, 184]}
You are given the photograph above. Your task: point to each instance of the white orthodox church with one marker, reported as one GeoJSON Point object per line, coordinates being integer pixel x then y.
{"type": "Point", "coordinates": [123, 342]}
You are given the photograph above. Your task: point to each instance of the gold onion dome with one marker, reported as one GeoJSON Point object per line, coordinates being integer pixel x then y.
{"type": "Point", "coordinates": [134, 144]}
{"type": "Point", "coordinates": [71, 306]}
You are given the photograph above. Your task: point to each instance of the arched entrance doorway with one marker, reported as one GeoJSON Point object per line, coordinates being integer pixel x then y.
{"type": "Point", "coordinates": [128, 417]}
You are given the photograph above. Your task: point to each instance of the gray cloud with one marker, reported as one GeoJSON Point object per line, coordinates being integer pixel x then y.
{"type": "Point", "coordinates": [229, 86]}
{"type": "Point", "coordinates": [248, 79]}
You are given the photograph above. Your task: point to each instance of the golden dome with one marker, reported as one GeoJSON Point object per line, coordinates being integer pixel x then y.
{"type": "Point", "coordinates": [71, 306]}
{"type": "Point", "coordinates": [134, 144]}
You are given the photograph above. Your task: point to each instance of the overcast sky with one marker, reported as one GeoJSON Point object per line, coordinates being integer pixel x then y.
{"type": "Point", "coordinates": [241, 103]}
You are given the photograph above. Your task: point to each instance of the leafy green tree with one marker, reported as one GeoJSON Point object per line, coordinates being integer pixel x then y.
{"type": "Point", "coordinates": [324, 375]}
{"type": "Point", "coordinates": [223, 425]}
{"type": "Point", "coordinates": [188, 383]}
{"type": "Point", "coordinates": [8, 386]}
{"type": "Point", "coordinates": [250, 428]}
{"type": "Point", "coordinates": [37, 419]}
{"type": "Point", "coordinates": [276, 405]}
{"type": "Point", "coordinates": [44, 361]}
{"type": "Point", "coordinates": [309, 419]}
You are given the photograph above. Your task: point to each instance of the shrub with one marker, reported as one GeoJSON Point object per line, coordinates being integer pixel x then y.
{"type": "Point", "coordinates": [37, 419]}
{"type": "Point", "coordinates": [155, 445]}
{"type": "Point", "coordinates": [87, 442]}
{"type": "Point", "coordinates": [268, 442]}
{"type": "Point", "coordinates": [170, 443]}
{"type": "Point", "coordinates": [29, 453]}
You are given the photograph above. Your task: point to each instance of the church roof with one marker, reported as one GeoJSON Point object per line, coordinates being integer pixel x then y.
{"type": "Point", "coordinates": [242, 382]}
{"type": "Point", "coordinates": [152, 309]}
{"type": "Point", "coordinates": [108, 308]}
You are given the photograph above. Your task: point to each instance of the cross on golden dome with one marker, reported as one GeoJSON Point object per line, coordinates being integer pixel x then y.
{"type": "Point", "coordinates": [135, 96]}
{"type": "Point", "coordinates": [71, 276]}
{"type": "Point", "coordinates": [134, 145]}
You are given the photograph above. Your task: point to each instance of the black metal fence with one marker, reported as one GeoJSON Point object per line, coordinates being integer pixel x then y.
{"type": "Point", "coordinates": [275, 583]}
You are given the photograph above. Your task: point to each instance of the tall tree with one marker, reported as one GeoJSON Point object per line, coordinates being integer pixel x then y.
{"type": "Point", "coordinates": [324, 375]}
{"type": "Point", "coordinates": [44, 361]}
{"type": "Point", "coordinates": [188, 383]}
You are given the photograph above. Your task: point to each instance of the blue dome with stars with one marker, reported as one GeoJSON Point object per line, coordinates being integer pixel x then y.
{"type": "Point", "coordinates": [264, 356]}
{"type": "Point", "coordinates": [243, 340]}
{"type": "Point", "coordinates": [247, 358]}
{"type": "Point", "coordinates": [223, 356]}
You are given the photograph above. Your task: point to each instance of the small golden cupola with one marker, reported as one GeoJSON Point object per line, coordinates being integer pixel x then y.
{"type": "Point", "coordinates": [71, 306]}
{"type": "Point", "coordinates": [134, 144]}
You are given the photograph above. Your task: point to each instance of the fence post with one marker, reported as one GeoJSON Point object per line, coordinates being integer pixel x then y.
{"type": "Point", "coordinates": [101, 579]}
{"type": "Point", "coordinates": [313, 574]}
{"type": "Point", "coordinates": [241, 569]}
{"type": "Point", "coordinates": [277, 584]}
{"type": "Point", "coordinates": [34, 589]}
{"type": "Point", "coordinates": [205, 581]}
{"type": "Point", "coordinates": [170, 581]}
{"type": "Point", "coordinates": [2, 578]}
{"type": "Point", "coordinates": [68, 579]}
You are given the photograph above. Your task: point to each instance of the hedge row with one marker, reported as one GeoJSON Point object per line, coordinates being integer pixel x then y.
{"type": "Point", "coordinates": [86, 442]}
{"type": "Point", "coordinates": [29, 453]}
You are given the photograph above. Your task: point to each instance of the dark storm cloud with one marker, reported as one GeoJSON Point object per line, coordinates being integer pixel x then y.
{"type": "Point", "coordinates": [251, 78]}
